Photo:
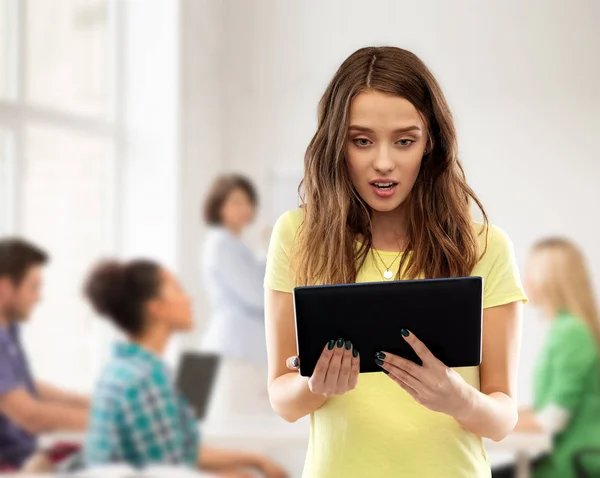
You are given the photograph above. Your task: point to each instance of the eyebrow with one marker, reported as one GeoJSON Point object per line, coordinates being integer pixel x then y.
{"type": "Point", "coordinates": [406, 129]}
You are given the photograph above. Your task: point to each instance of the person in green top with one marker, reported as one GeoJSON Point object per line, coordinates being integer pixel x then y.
{"type": "Point", "coordinates": [567, 374]}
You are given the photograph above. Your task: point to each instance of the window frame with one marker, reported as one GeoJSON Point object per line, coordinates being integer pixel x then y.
{"type": "Point", "coordinates": [16, 113]}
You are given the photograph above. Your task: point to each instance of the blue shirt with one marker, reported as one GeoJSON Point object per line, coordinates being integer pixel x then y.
{"type": "Point", "coordinates": [233, 279]}
{"type": "Point", "coordinates": [137, 416]}
{"type": "Point", "coordinates": [16, 445]}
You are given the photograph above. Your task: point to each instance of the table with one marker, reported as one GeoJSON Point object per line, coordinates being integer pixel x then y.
{"type": "Point", "coordinates": [125, 472]}
{"type": "Point", "coordinates": [284, 442]}
{"type": "Point", "coordinates": [267, 433]}
{"type": "Point", "coordinates": [257, 428]}
{"type": "Point", "coordinates": [273, 435]}
{"type": "Point", "coordinates": [524, 447]}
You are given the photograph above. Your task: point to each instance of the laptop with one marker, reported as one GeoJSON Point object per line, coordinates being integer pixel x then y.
{"type": "Point", "coordinates": [195, 380]}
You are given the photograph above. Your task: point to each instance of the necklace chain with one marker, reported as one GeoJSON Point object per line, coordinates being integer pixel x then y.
{"type": "Point", "coordinates": [388, 274]}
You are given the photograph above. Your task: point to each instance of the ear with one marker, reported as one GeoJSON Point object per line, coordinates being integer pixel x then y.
{"type": "Point", "coordinates": [152, 308]}
{"type": "Point", "coordinates": [429, 144]}
{"type": "Point", "coordinates": [5, 287]}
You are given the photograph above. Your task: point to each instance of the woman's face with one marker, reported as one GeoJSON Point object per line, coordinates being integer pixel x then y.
{"type": "Point", "coordinates": [531, 279]}
{"type": "Point", "coordinates": [386, 139]}
{"type": "Point", "coordinates": [172, 306]}
{"type": "Point", "coordinates": [238, 210]}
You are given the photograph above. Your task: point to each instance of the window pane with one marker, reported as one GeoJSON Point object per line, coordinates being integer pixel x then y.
{"type": "Point", "coordinates": [6, 183]}
{"type": "Point", "coordinates": [66, 209]}
{"type": "Point", "coordinates": [68, 55]}
{"type": "Point", "coordinates": [4, 41]}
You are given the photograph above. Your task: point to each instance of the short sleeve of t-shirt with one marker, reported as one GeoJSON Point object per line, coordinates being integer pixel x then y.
{"type": "Point", "coordinates": [278, 274]}
{"type": "Point", "coordinates": [9, 380]}
{"type": "Point", "coordinates": [498, 267]}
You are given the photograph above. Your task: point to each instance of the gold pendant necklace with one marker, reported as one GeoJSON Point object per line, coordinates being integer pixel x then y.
{"type": "Point", "coordinates": [387, 274]}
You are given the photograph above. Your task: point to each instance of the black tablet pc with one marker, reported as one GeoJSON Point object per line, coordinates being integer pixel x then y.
{"type": "Point", "coordinates": [446, 314]}
{"type": "Point", "coordinates": [195, 380]}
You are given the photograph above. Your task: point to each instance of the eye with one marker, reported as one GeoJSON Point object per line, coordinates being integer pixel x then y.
{"type": "Point", "coordinates": [361, 142]}
{"type": "Point", "coordinates": [405, 142]}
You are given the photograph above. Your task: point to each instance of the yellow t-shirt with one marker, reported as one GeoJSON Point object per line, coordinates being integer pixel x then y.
{"type": "Point", "coordinates": [378, 430]}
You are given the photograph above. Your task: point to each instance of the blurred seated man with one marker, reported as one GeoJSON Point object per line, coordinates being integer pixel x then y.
{"type": "Point", "coordinates": [27, 407]}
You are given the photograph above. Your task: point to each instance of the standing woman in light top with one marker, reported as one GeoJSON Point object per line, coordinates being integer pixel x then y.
{"type": "Point", "coordinates": [233, 278]}
{"type": "Point", "coordinates": [385, 198]}
{"type": "Point", "coordinates": [567, 374]}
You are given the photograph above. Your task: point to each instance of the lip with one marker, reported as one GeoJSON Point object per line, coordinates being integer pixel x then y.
{"type": "Point", "coordinates": [384, 193]}
{"type": "Point", "coordinates": [383, 180]}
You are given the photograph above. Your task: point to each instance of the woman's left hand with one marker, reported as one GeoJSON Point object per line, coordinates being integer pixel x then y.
{"type": "Point", "coordinates": [432, 384]}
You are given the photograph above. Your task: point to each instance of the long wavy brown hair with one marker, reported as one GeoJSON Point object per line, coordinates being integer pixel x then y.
{"type": "Point", "coordinates": [440, 233]}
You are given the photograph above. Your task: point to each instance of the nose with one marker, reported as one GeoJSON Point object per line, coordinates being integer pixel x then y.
{"type": "Point", "coordinates": [384, 162]}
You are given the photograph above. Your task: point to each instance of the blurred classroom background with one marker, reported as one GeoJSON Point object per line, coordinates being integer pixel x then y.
{"type": "Point", "coordinates": [117, 115]}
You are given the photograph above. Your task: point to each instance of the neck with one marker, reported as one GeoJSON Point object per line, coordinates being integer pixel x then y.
{"type": "Point", "coordinates": [155, 340]}
{"type": "Point", "coordinates": [4, 322]}
{"type": "Point", "coordinates": [549, 312]}
{"type": "Point", "coordinates": [236, 231]}
{"type": "Point", "coordinates": [389, 229]}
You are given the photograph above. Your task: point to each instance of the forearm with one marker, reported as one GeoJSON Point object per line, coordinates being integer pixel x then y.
{"type": "Point", "coordinates": [52, 417]}
{"type": "Point", "coordinates": [552, 419]}
{"type": "Point", "coordinates": [291, 397]}
{"type": "Point", "coordinates": [528, 423]}
{"type": "Point", "coordinates": [48, 393]}
{"type": "Point", "coordinates": [490, 416]}
{"type": "Point", "coordinates": [214, 459]}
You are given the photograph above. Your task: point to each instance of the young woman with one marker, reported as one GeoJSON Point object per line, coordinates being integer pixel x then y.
{"type": "Point", "coordinates": [233, 278]}
{"type": "Point", "coordinates": [567, 376]}
{"type": "Point", "coordinates": [385, 198]}
{"type": "Point", "coordinates": [137, 416]}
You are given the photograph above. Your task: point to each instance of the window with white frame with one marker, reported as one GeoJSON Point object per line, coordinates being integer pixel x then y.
{"type": "Point", "coordinates": [58, 151]}
{"type": "Point", "coordinates": [6, 182]}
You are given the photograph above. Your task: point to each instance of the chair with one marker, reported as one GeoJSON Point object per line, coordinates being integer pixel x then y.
{"type": "Point", "coordinates": [582, 469]}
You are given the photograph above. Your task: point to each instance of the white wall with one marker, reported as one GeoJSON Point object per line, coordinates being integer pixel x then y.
{"type": "Point", "coordinates": [521, 78]}
{"type": "Point", "coordinates": [150, 166]}
{"type": "Point", "coordinates": [201, 38]}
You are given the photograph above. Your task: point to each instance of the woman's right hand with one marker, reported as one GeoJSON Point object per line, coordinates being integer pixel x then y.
{"type": "Point", "coordinates": [336, 371]}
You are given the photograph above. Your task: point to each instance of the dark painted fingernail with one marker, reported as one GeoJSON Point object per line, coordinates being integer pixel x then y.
{"type": "Point", "coordinates": [380, 355]}
{"type": "Point", "coordinates": [340, 343]}
{"type": "Point", "coordinates": [385, 371]}
{"type": "Point", "coordinates": [295, 362]}
{"type": "Point", "coordinates": [331, 344]}
{"type": "Point", "coordinates": [355, 352]}
{"type": "Point", "coordinates": [348, 345]}
{"type": "Point", "coordinates": [379, 362]}
{"type": "Point", "coordinates": [404, 332]}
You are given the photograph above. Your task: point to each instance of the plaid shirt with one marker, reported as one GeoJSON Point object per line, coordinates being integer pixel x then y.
{"type": "Point", "coordinates": [137, 416]}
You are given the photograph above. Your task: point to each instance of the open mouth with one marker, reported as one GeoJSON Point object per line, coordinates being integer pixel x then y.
{"type": "Point", "coordinates": [384, 186]}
